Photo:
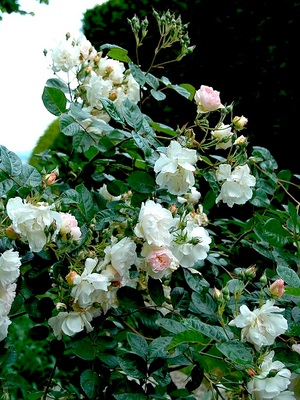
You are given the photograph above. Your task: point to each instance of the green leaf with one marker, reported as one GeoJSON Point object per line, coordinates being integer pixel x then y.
{"type": "Point", "coordinates": [138, 74]}
{"type": "Point", "coordinates": [188, 336]}
{"type": "Point", "coordinates": [152, 81]}
{"type": "Point", "coordinates": [137, 344]}
{"type": "Point", "coordinates": [10, 162]}
{"type": "Point", "coordinates": [133, 365]}
{"type": "Point", "coordinates": [141, 182]}
{"type": "Point", "coordinates": [58, 84]}
{"type": "Point", "coordinates": [90, 383]}
{"type": "Point", "coordinates": [189, 88]}
{"type": "Point", "coordinates": [171, 325]}
{"type": "Point", "coordinates": [289, 276]}
{"type": "Point", "coordinates": [68, 126]}
{"type": "Point", "coordinates": [130, 299]}
{"type": "Point", "coordinates": [158, 95]}
{"type": "Point", "coordinates": [142, 143]}
{"type": "Point", "coordinates": [292, 291]}
{"type": "Point", "coordinates": [30, 177]}
{"type": "Point", "coordinates": [158, 347]}
{"type": "Point", "coordinates": [86, 202]}
{"type": "Point", "coordinates": [214, 332]}
{"type": "Point", "coordinates": [111, 110]}
{"type": "Point", "coordinates": [132, 114]}
{"type": "Point", "coordinates": [273, 232]}
{"type": "Point", "coordinates": [130, 396]}
{"type": "Point", "coordinates": [163, 128]}
{"type": "Point", "coordinates": [54, 100]}
{"type": "Point", "coordinates": [181, 90]}
{"type": "Point", "coordinates": [156, 291]}
{"type": "Point", "coordinates": [237, 352]}
{"type": "Point", "coordinates": [119, 54]}
{"type": "Point", "coordinates": [180, 299]}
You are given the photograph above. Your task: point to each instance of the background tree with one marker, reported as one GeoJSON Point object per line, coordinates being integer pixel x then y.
{"type": "Point", "coordinates": [13, 6]}
{"type": "Point", "coordinates": [245, 50]}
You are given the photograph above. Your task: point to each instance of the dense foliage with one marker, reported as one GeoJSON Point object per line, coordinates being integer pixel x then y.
{"type": "Point", "coordinates": [151, 250]}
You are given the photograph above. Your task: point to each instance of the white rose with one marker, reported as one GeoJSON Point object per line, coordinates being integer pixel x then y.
{"type": "Point", "coordinates": [154, 224]}
{"type": "Point", "coordinates": [223, 134]}
{"type": "Point", "coordinates": [72, 322]}
{"type": "Point", "coordinates": [191, 244]}
{"type": "Point", "coordinates": [237, 186]}
{"type": "Point", "coordinates": [262, 325]}
{"type": "Point", "coordinates": [9, 266]}
{"type": "Point", "coordinates": [105, 193]}
{"type": "Point", "coordinates": [96, 87]}
{"type": "Point", "coordinates": [175, 169]}
{"type": "Point", "coordinates": [4, 324]}
{"type": "Point", "coordinates": [111, 69]}
{"type": "Point", "coordinates": [263, 386]}
{"type": "Point", "coordinates": [65, 56]}
{"type": "Point", "coordinates": [30, 222]}
{"type": "Point", "coordinates": [121, 255]}
{"type": "Point", "coordinates": [88, 284]}
{"type": "Point", "coordinates": [7, 295]}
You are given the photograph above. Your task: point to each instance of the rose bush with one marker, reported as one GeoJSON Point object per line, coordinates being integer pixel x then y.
{"type": "Point", "coordinates": [148, 251]}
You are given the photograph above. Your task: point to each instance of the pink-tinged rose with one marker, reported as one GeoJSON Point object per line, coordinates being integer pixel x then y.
{"type": "Point", "coordinates": [207, 99]}
{"type": "Point", "coordinates": [69, 225]}
{"type": "Point", "coordinates": [277, 288]}
{"type": "Point", "coordinates": [159, 261]}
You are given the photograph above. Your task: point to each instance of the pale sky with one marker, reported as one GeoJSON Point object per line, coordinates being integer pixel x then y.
{"type": "Point", "coordinates": [24, 69]}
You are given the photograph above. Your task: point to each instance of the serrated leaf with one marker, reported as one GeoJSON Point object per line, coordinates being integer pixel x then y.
{"type": "Point", "coordinates": [171, 325]}
{"type": "Point", "coordinates": [158, 347]}
{"type": "Point", "coordinates": [137, 73]}
{"type": "Point", "coordinates": [214, 332]}
{"type": "Point", "coordinates": [54, 100]}
{"type": "Point", "coordinates": [163, 128]}
{"type": "Point", "coordinates": [86, 202]}
{"type": "Point", "coordinates": [289, 276]}
{"type": "Point", "coordinates": [180, 299]}
{"type": "Point", "coordinates": [30, 177]}
{"type": "Point", "coordinates": [188, 336]}
{"type": "Point", "coordinates": [58, 84]}
{"type": "Point", "coordinates": [133, 365]}
{"type": "Point", "coordinates": [137, 344]}
{"type": "Point", "coordinates": [142, 143]}
{"type": "Point", "coordinates": [132, 114]}
{"type": "Point", "coordinates": [237, 352]}
{"type": "Point", "coordinates": [10, 162]}
{"type": "Point", "coordinates": [111, 110]}
{"type": "Point", "coordinates": [90, 383]}
{"type": "Point", "coordinates": [156, 291]}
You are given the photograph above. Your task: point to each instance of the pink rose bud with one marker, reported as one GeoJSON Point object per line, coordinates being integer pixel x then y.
{"type": "Point", "coordinates": [207, 99]}
{"type": "Point", "coordinates": [240, 122]}
{"type": "Point", "coordinates": [241, 141]}
{"type": "Point", "coordinates": [277, 288]}
{"type": "Point", "coordinates": [70, 277]}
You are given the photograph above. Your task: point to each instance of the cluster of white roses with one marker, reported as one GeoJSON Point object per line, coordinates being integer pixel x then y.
{"type": "Point", "coordinates": [161, 254]}
{"type": "Point", "coordinates": [95, 77]}
{"type": "Point", "coordinates": [10, 263]}
{"type": "Point", "coordinates": [261, 327]}
{"type": "Point", "coordinates": [39, 224]}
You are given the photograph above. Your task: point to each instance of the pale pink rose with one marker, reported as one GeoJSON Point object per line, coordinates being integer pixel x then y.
{"type": "Point", "coordinates": [207, 99]}
{"type": "Point", "coordinates": [69, 225]}
{"type": "Point", "coordinates": [277, 288]}
{"type": "Point", "coordinates": [159, 261]}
